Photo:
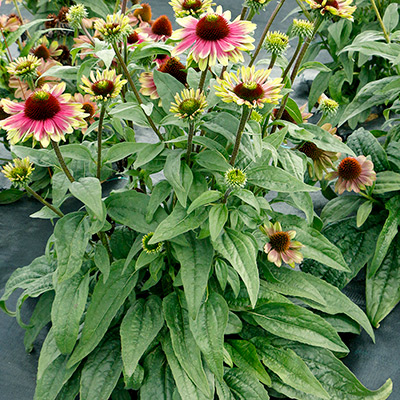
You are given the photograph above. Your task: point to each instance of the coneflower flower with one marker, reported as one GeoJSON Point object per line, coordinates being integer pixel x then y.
{"type": "Point", "coordinates": [47, 114]}
{"type": "Point", "coordinates": [103, 85]}
{"type": "Point", "coordinates": [281, 247]}
{"type": "Point", "coordinates": [159, 30]}
{"type": "Point", "coordinates": [115, 28]}
{"type": "Point", "coordinates": [353, 174]}
{"type": "Point", "coordinates": [257, 5]}
{"type": "Point", "coordinates": [214, 38]}
{"type": "Point", "coordinates": [196, 8]}
{"type": "Point", "coordinates": [235, 178]}
{"type": "Point", "coordinates": [46, 51]}
{"type": "Point", "coordinates": [189, 104]}
{"type": "Point", "coordinates": [143, 14]}
{"type": "Point", "coordinates": [24, 68]}
{"type": "Point", "coordinates": [151, 248]}
{"type": "Point", "coordinates": [302, 28]}
{"type": "Point", "coordinates": [76, 14]}
{"type": "Point", "coordinates": [249, 87]}
{"type": "Point", "coordinates": [328, 107]}
{"type": "Point", "coordinates": [339, 8]}
{"type": "Point", "coordinates": [89, 107]}
{"type": "Point", "coordinates": [20, 172]}
{"type": "Point", "coordinates": [276, 43]}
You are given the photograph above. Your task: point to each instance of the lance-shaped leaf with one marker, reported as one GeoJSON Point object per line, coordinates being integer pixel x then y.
{"type": "Point", "coordinates": [139, 327]}
{"type": "Point", "coordinates": [240, 250]}
{"type": "Point", "coordinates": [208, 331]}
{"type": "Point", "coordinates": [195, 261]}
{"type": "Point", "coordinates": [244, 385]}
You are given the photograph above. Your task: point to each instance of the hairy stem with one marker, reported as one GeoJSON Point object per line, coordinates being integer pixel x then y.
{"type": "Point", "coordinates": [99, 132]}
{"type": "Point", "coordinates": [203, 78]}
{"type": "Point", "coordinates": [378, 15]}
{"type": "Point", "coordinates": [190, 141]}
{"type": "Point", "coordinates": [245, 116]}
{"type": "Point", "coordinates": [292, 60]}
{"type": "Point", "coordinates": [243, 13]}
{"type": "Point", "coordinates": [43, 201]}
{"type": "Point", "coordinates": [135, 91]}
{"type": "Point", "coordinates": [264, 34]}
{"type": "Point", "coordinates": [61, 161]}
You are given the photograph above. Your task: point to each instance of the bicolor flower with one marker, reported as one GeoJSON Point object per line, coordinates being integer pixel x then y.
{"type": "Point", "coordinates": [339, 8]}
{"type": "Point", "coordinates": [189, 104]}
{"type": "Point", "coordinates": [90, 108]}
{"type": "Point", "coordinates": [249, 87]}
{"type": "Point", "coordinates": [183, 8]}
{"type": "Point", "coordinates": [159, 30]}
{"type": "Point", "coordinates": [20, 172]}
{"type": "Point", "coordinates": [47, 114]}
{"type": "Point", "coordinates": [24, 67]}
{"type": "Point", "coordinates": [353, 174]}
{"type": "Point", "coordinates": [281, 247]}
{"type": "Point", "coordinates": [214, 38]}
{"type": "Point", "coordinates": [115, 28]}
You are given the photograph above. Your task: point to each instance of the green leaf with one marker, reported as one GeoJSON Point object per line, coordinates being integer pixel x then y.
{"type": "Point", "coordinates": [340, 207]}
{"type": "Point", "coordinates": [61, 71]}
{"type": "Point", "coordinates": [319, 85]}
{"type": "Point", "coordinates": [71, 388]}
{"type": "Point", "coordinates": [129, 208]}
{"type": "Point", "coordinates": [217, 218]}
{"type": "Point", "coordinates": [159, 193]}
{"type": "Point", "coordinates": [88, 191]}
{"type": "Point", "coordinates": [178, 222]}
{"type": "Point", "coordinates": [99, 7]}
{"type": "Point", "coordinates": [187, 389]}
{"type": "Point", "coordinates": [244, 385]}
{"type": "Point", "coordinates": [172, 172]}
{"type": "Point", "coordinates": [274, 178]}
{"type": "Point", "coordinates": [167, 87]}
{"type": "Point", "coordinates": [76, 152]}
{"type": "Point", "coordinates": [14, 36]}
{"type": "Point", "coordinates": [40, 157]}
{"type": "Point", "coordinates": [363, 212]}
{"type": "Point", "coordinates": [131, 112]}
{"type": "Point", "coordinates": [122, 150]}
{"type": "Point", "coordinates": [240, 250]}
{"type": "Point", "coordinates": [317, 247]}
{"type": "Point", "coordinates": [334, 301]}
{"type": "Point", "coordinates": [213, 160]}
{"type": "Point", "coordinates": [102, 260]}
{"type": "Point", "coordinates": [386, 236]}
{"type": "Point", "coordinates": [296, 323]}
{"type": "Point", "coordinates": [183, 343]}
{"type": "Point", "coordinates": [195, 259]}
{"type": "Point", "coordinates": [68, 307]}
{"type": "Point", "coordinates": [71, 238]}
{"type": "Point", "coordinates": [383, 289]}
{"type": "Point", "coordinates": [391, 17]}
{"type": "Point", "coordinates": [12, 195]}
{"type": "Point", "coordinates": [290, 368]}
{"type": "Point", "coordinates": [363, 142]}
{"type": "Point", "coordinates": [148, 153]}
{"type": "Point", "coordinates": [98, 317]}
{"type": "Point", "coordinates": [335, 377]}
{"type": "Point", "coordinates": [204, 199]}
{"type": "Point", "coordinates": [158, 383]}
{"type": "Point", "coordinates": [244, 355]}
{"type": "Point", "coordinates": [387, 181]}
{"type": "Point", "coordinates": [143, 321]}
{"type": "Point", "coordinates": [102, 369]}
{"type": "Point", "coordinates": [208, 331]}
{"type": "Point", "coordinates": [248, 197]}
{"type": "Point", "coordinates": [293, 110]}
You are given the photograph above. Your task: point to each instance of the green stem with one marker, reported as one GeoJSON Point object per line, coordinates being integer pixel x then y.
{"type": "Point", "coordinates": [123, 7]}
{"type": "Point", "coordinates": [251, 14]}
{"type": "Point", "coordinates": [305, 11]}
{"type": "Point", "coordinates": [99, 132]}
{"type": "Point", "coordinates": [61, 161]}
{"type": "Point", "coordinates": [227, 193]}
{"type": "Point", "coordinates": [322, 120]}
{"type": "Point", "coordinates": [203, 78]}
{"type": "Point", "coordinates": [243, 13]}
{"type": "Point", "coordinates": [86, 32]}
{"type": "Point", "coordinates": [378, 15]}
{"type": "Point", "coordinates": [43, 201]}
{"type": "Point", "coordinates": [190, 141]}
{"type": "Point", "coordinates": [135, 91]}
{"type": "Point", "coordinates": [264, 34]}
{"type": "Point", "coordinates": [292, 60]}
{"type": "Point", "coordinates": [20, 16]}
{"type": "Point", "coordinates": [272, 62]}
{"type": "Point", "coordinates": [245, 116]}
{"type": "Point", "coordinates": [8, 53]}
{"type": "Point", "coordinates": [104, 240]}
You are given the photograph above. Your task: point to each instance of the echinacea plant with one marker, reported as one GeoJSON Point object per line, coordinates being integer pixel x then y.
{"type": "Point", "coordinates": [185, 283]}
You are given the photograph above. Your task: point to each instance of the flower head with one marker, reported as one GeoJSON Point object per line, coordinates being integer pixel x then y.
{"type": "Point", "coordinates": [115, 28]}
{"type": "Point", "coordinates": [159, 30]}
{"type": "Point", "coordinates": [24, 68]}
{"type": "Point", "coordinates": [20, 172]}
{"type": "Point", "coordinates": [143, 14]}
{"type": "Point", "coordinates": [47, 114]}
{"type": "Point", "coordinates": [9, 23]}
{"type": "Point", "coordinates": [89, 107]}
{"type": "Point", "coordinates": [151, 248]}
{"type": "Point", "coordinates": [135, 38]}
{"type": "Point", "coordinates": [322, 160]}
{"type": "Point", "coordinates": [276, 42]}
{"type": "Point", "coordinates": [76, 14]}
{"type": "Point", "coordinates": [328, 107]}
{"type": "Point", "coordinates": [249, 87]}
{"type": "Point", "coordinates": [104, 85]}
{"type": "Point", "coordinates": [189, 104]}
{"type": "Point", "coordinates": [148, 86]}
{"type": "Point", "coordinates": [52, 20]}
{"type": "Point", "coordinates": [183, 8]}
{"type": "Point", "coordinates": [302, 28]}
{"type": "Point", "coordinates": [340, 8]}
{"type": "Point", "coordinates": [257, 5]}
{"type": "Point", "coordinates": [214, 37]}
{"type": "Point", "coordinates": [235, 178]}
{"type": "Point", "coordinates": [45, 50]}
{"type": "Point", "coordinates": [281, 247]}
{"type": "Point", "coordinates": [354, 174]}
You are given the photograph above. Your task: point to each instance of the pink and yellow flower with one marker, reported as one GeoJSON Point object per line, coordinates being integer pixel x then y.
{"type": "Point", "coordinates": [183, 8]}
{"type": "Point", "coordinates": [353, 174]}
{"type": "Point", "coordinates": [89, 107]}
{"type": "Point", "coordinates": [340, 8]}
{"type": "Point", "coordinates": [148, 86]}
{"type": "Point", "coordinates": [214, 37]}
{"type": "Point", "coordinates": [281, 247]}
{"type": "Point", "coordinates": [47, 114]}
{"type": "Point", "coordinates": [159, 30]}
{"type": "Point", "coordinates": [249, 87]}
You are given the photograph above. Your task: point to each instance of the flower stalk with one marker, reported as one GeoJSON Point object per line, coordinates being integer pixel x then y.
{"type": "Point", "coordinates": [99, 134]}
{"type": "Point", "coordinates": [378, 15]}
{"type": "Point", "coordinates": [43, 201]}
{"type": "Point", "coordinates": [135, 91]}
{"type": "Point", "coordinates": [61, 161]}
{"type": "Point", "coordinates": [264, 34]}
{"type": "Point", "coordinates": [190, 141]}
{"type": "Point", "coordinates": [245, 116]}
